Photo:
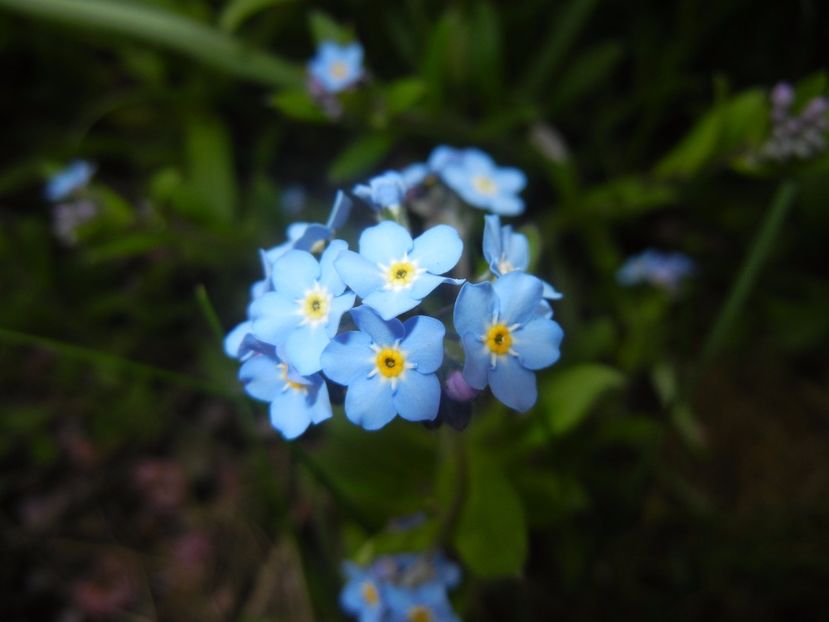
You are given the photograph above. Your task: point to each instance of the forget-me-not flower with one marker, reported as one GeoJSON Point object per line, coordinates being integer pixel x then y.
{"type": "Point", "coordinates": [386, 190]}
{"type": "Point", "coordinates": [392, 273]}
{"type": "Point", "coordinates": [296, 401]}
{"type": "Point", "coordinates": [303, 311]}
{"type": "Point", "coordinates": [363, 594]}
{"type": "Point", "coordinates": [423, 603]}
{"type": "Point", "coordinates": [506, 337]}
{"type": "Point", "coordinates": [666, 270]}
{"type": "Point", "coordinates": [65, 182]}
{"type": "Point", "coordinates": [476, 178]}
{"type": "Point", "coordinates": [507, 251]}
{"type": "Point", "coordinates": [388, 366]}
{"type": "Point", "coordinates": [337, 67]}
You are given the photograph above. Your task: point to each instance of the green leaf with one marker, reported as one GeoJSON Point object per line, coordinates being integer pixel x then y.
{"type": "Point", "coordinates": [569, 395]}
{"type": "Point", "coordinates": [165, 29]}
{"type": "Point", "coordinates": [359, 157]}
{"type": "Point", "coordinates": [586, 73]}
{"type": "Point", "coordinates": [624, 197]}
{"type": "Point", "coordinates": [325, 28]}
{"type": "Point", "coordinates": [236, 12]}
{"type": "Point", "coordinates": [403, 94]}
{"type": "Point", "coordinates": [211, 179]}
{"type": "Point", "coordinates": [298, 104]}
{"type": "Point", "coordinates": [491, 535]}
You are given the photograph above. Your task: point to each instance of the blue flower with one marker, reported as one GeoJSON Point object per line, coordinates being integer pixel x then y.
{"type": "Point", "coordinates": [388, 367]}
{"type": "Point", "coordinates": [74, 177]}
{"type": "Point", "coordinates": [303, 312]}
{"type": "Point", "coordinates": [423, 603]}
{"type": "Point", "coordinates": [387, 190]}
{"type": "Point", "coordinates": [475, 177]}
{"type": "Point", "coordinates": [507, 251]}
{"type": "Point", "coordinates": [295, 401]}
{"type": "Point", "coordinates": [363, 594]}
{"type": "Point", "coordinates": [393, 273]}
{"type": "Point", "coordinates": [443, 156]}
{"type": "Point", "coordinates": [664, 270]}
{"type": "Point", "coordinates": [336, 67]}
{"type": "Point", "coordinates": [506, 335]}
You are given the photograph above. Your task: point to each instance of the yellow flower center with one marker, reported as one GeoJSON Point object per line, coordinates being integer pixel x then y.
{"type": "Point", "coordinates": [505, 267]}
{"type": "Point", "coordinates": [315, 306]}
{"type": "Point", "coordinates": [420, 614]}
{"type": "Point", "coordinates": [369, 592]}
{"type": "Point", "coordinates": [498, 339]}
{"type": "Point", "coordinates": [338, 70]}
{"type": "Point", "coordinates": [401, 274]}
{"type": "Point", "coordinates": [390, 362]}
{"type": "Point", "coordinates": [484, 184]}
{"type": "Point", "coordinates": [290, 384]}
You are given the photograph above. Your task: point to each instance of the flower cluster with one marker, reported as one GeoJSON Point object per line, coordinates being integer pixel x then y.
{"type": "Point", "coordinates": [72, 210]}
{"type": "Point", "coordinates": [369, 317]}
{"type": "Point", "coordinates": [665, 270]}
{"type": "Point", "coordinates": [793, 135]}
{"type": "Point", "coordinates": [407, 587]}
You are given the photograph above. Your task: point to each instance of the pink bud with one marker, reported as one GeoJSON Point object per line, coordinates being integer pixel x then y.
{"type": "Point", "coordinates": [458, 389]}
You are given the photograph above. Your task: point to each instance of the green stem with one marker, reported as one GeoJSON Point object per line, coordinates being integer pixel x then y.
{"type": "Point", "coordinates": [747, 276]}
{"type": "Point", "coordinates": [166, 29]}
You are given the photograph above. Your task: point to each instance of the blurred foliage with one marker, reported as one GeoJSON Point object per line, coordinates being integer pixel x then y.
{"type": "Point", "coordinates": [647, 479]}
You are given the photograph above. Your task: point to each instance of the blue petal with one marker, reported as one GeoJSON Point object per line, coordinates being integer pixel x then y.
{"type": "Point", "coordinates": [492, 240]}
{"type": "Point", "coordinates": [358, 273]}
{"type": "Point", "coordinates": [368, 403]}
{"type": "Point", "coordinates": [418, 396]}
{"type": "Point", "coordinates": [518, 297]}
{"type": "Point", "coordinates": [340, 211]}
{"type": "Point", "coordinates": [474, 308]}
{"type": "Point", "coordinates": [381, 332]}
{"type": "Point", "coordinates": [509, 180]}
{"type": "Point", "coordinates": [424, 343]}
{"type": "Point", "coordinates": [349, 356]}
{"type": "Point", "coordinates": [385, 242]}
{"type": "Point", "coordinates": [312, 235]}
{"type": "Point", "coordinates": [295, 272]}
{"type": "Point", "coordinates": [426, 284]}
{"type": "Point", "coordinates": [320, 402]}
{"type": "Point", "coordinates": [438, 249]}
{"type": "Point", "coordinates": [233, 340]}
{"type": "Point", "coordinates": [389, 304]}
{"type": "Point", "coordinates": [537, 343]}
{"type": "Point", "coordinates": [329, 277]}
{"type": "Point", "coordinates": [518, 251]}
{"type": "Point", "coordinates": [339, 305]}
{"type": "Point", "coordinates": [512, 384]}
{"type": "Point", "coordinates": [304, 347]}
{"type": "Point", "coordinates": [442, 156]}
{"type": "Point", "coordinates": [290, 414]}
{"type": "Point", "coordinates": [261, 377]}
{"type": "Point", "coordinates": [478, 162]}
{"type": "Point", "coordinates": [458, 180]}
{"type": "Point", "coordinates": [507, 205]}
{"type": "Point", "coordinates": [548, 291]}
{"type": "Point", "coordinates": [476, 361]}
{"type": "Point", "coordinates": [273, 317]}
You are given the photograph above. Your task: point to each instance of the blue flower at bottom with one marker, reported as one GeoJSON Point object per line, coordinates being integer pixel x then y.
{"type": "Point", "coordinates": [507, 251]}
{"type": "Point", "coordinates": [506, 335]}
{"type": "Point", "coordinates": [388, 367]}
{"type": "Point", "coordinates": [424, 603]}
{"type": "Point", "coordinates": [295, 401]}
{"type": "Point", "coordinates": [363, 594]}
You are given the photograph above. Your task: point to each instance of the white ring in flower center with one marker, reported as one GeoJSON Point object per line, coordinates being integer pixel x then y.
{"type": "Point", "coordinates": [314, 306]}
{"type": "Point", "coordinates": [400, 274]}
{"type": "Point", "coordinates": [498, 340]}
{"type": "Point", "coordinates": [390, 363]}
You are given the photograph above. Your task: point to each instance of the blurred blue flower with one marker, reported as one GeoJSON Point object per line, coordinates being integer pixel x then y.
{"type": "Point", "coordinates": [72, 178]}
{"type": "Point", "coordinates": [303, 311]}
{"type": "Point", "coordinates": [293, 199]}
{"type": "Point", "coordinates": [507, 251]}
{"type": "Point", "coordinates": [387, 190]}
{"type": "Point", "coordinates": [296, 401]}
{"type": "Point", "coordinates": [388, 367]}
{"type": "Point", "coordinates": [506, 337]}
{"type": "Point", "coordinates": [336, 67]}
{"type": "Point", "coordinates": [415, 174]}
{"type": "Point", "coordinates": [476, 178]}
{"type": "Point", "coordinates": [666, 270]}
{"type": "Point", "coordinates": [424, 603]}
{"type": "Point", "coordinates": [363, 594]}
{"type": "Point", "coordinates": [393, 273]}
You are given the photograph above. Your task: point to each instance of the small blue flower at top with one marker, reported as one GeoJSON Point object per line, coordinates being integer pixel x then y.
{"type": "Point", "coordinates": [507, 251]}
{"type": "Point", "coordinates": [392, 273]}
{"type": "Point", "coordinates": [303, 311]}
{"type": "Point", "coordinates": [476, 178]}
{"type": "Point", "coordinates": [506, 335]}
{"type": "Point", "coordinates": [423, 603]}
{"type": "Point", "coordinates": [296, 401]}
{"type": "Point", "coordinates": [337, 67]}
{"type": "Point", "coordinates": [666, 270]}
{"type": "Point", "coordinates": [388, 366]}
{"type": "Point", "coordinates": [383, 191]}
{"type": "Point", "coordinates": [67, 181]}
{"type": "Point", "coordinates": [363, 594]}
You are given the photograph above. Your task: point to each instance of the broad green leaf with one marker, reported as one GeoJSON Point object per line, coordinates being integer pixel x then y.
{"type": "Point", "coordinates": [298, 104]}
{"type": "Point", "coordinates": [211, 179]}
{"type": "Point", "coordinates": [325, 28]}
{"type": "Point", "coordinates": [359, 157]}
{"type": "Point", "coordinates": [628, 196]}
{"type": "Point", "coordinates": [491, 534]}
{"type": "Point", "coordinates": [567, 396]}
{"type": "Point", "coordinates": [403, 94]}
{"type": "Point", "coordinates": [587, 72]}
{"type": "Point", "coordinates": [485, 54]}
{"type": "Point", "coordinates": [236, 12]}
{"type": "Point", "coordinates": [165, 29]}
